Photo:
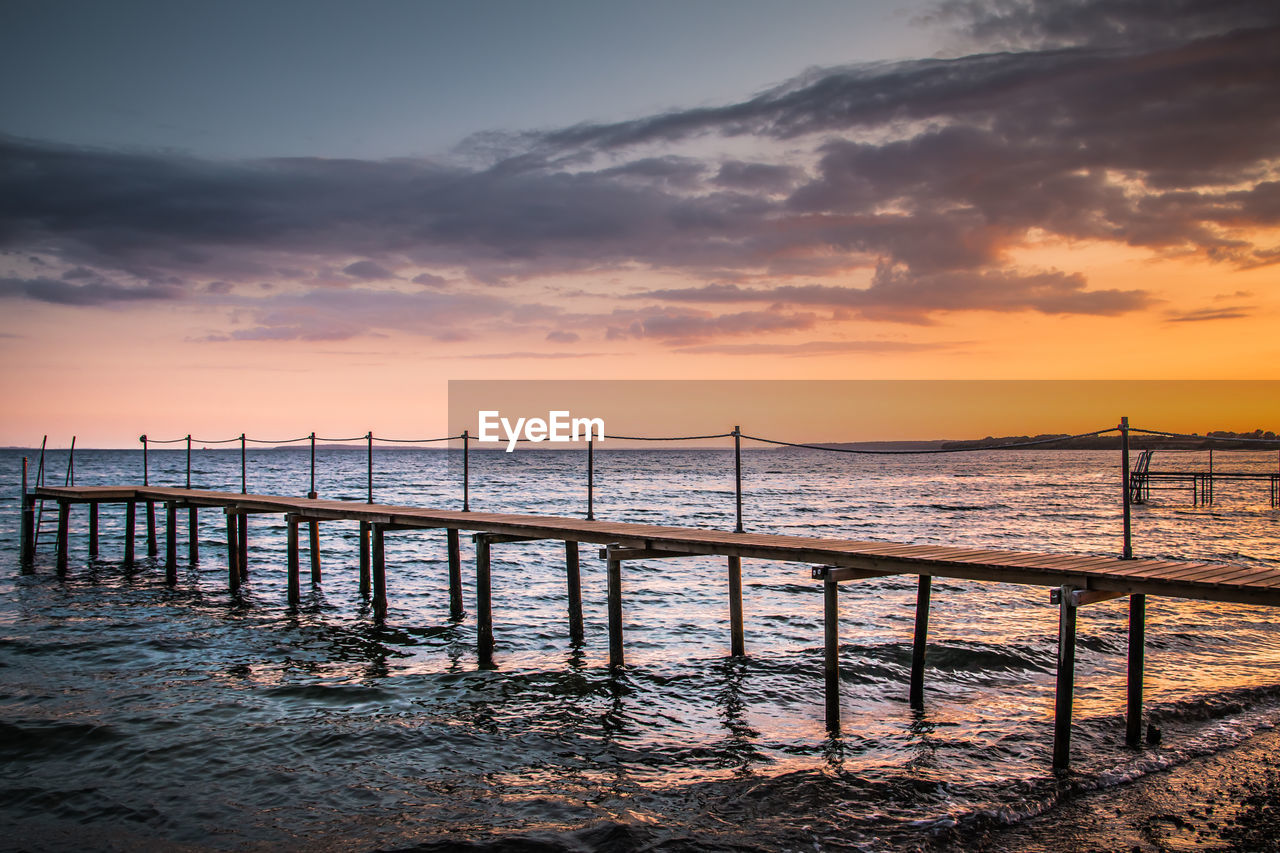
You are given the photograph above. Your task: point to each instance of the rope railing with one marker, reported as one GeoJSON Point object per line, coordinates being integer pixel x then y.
{"type": "Point", "coordinates": [1130, 478]}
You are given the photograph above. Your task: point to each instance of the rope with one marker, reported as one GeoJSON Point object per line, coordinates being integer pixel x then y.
{"type": "Point", "coordinates": [933, 450]}
{"type": "Point", "coordinates": [280, 441]}
{"type": "Point", "coordinates": [667, 437]}
{"type": "Point", "coordinates": [172, 440]}
{"type": "Point", "coordinates": [356, 438]}
{"type": "Point", "coordinates": [417, 440]}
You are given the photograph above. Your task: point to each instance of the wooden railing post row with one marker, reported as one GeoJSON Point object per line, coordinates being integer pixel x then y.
{"type": "Point", "coordinates": [591, 479]}
{"type": "Point", "coordinates": [369, 438]}
{"type": "Point", "coordinates": [466, 471]}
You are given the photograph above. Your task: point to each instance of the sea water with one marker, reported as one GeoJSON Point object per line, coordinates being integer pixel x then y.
{"type": "Point", "coordinates": [135, 715]}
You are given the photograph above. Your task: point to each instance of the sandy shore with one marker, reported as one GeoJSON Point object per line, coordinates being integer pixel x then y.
{"type": "Point", "coordinates": [1227, 802]}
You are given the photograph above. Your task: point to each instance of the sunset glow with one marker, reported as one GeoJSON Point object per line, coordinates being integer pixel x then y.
{"type": "Point", "coordinates": [975, 191]}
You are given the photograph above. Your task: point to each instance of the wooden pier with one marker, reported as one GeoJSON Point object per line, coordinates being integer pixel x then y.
{"type": "Point", "coordinates": [1075, 581]}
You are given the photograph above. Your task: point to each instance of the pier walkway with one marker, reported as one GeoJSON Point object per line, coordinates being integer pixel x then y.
{"type": "Point", "coordinates": [1076, 581]}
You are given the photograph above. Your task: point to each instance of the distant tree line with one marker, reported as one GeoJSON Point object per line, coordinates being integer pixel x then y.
{"type": "Point", "coordinates": [1216, 439]}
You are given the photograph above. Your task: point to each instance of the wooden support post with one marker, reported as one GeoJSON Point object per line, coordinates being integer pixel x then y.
{"type": "Point", "coordinates": [920, 642]}
{"type": "Point", "coordinates": [573, 578]}
{"type": "Point", "coordinates": [28, 555]}
{"type": "Point", "coordinates": [1137, 657]}
{"type": "Point", "coordinates": [291, 552]}
{"type": "Point", "coordinates": [831, 646]}
{"type": "Point", "coordinates": [193, 535]}
{"type": "Point", "coordinates": [379, 566]}
{"type": "Point", "coordinates": [737, 644]}
{"type": "Point", "coordinates": [314, 547]}
{"type": "Point", "coordinates": [130, 512]}
{"type": "Point", "coordinates": [153, 548]}
{"type": "Point", "coordinates": [364, 558]}
{"type": "Point", "coordinates": [616, 658]}
{"type": "Point", "coordinates": [456, 611]}
{"type": "Point", "coordinates": [170, 542]}
{"type": "Point", "coordinates": [242, 531]}
{"type": "Point", "coordinates": [233, 550]}
{"type": "Point", "coordinates": [1066, 679]}
{"type": "Point", "coordinates": [484, 603]}
{"type": "Point", "coordinates": [93, 530]}
{"type": "Point", "coordinates": [64, 513]}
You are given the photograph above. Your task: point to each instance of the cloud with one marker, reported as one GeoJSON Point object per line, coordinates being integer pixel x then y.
{"type": "Point", "coordinates": [1139, 123]}
{"type": "Point", "coordinates": [367, 271]}
{"type": "Point", "coordinates": [93, 293]}
{"type": "Point", "coordinates": [1204, 314]}
{"type": "Point", "coordinates": [814, 348]}
{"type": "Point", "coordinates": [905, 296]}
{"type": "Point", "coordinates": [684, 325]}
{"type": "Point", "coordinates": [562, 337]}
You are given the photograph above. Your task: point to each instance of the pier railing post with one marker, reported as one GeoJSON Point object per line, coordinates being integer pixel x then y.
{"type": "Point", "coordinates": [591, 479]}
{"type": "Point", "coordinates": [831, 650]}
{"type": "Point", "coordinates": [188, 460]}
{"type": "Point", "coordinates": [484, 602]}
{"type": "Point", "coordinates": [1137, 659]}
{"type": "Point", "coordinates": [244, 466]}
{"type": "Point", "coordinates": [1066, 678]}
{"type": "Point", "coordinates": [369, 437]}
{"type": "Point", "coordinates": [1128, 498]}
{"type": "Point", "coordinates": [573, 581]}
{"type": "Point", "coordinates": [152, 546]}
{"type": "Point", "coordinates": [466, 471]}
{"type": "Point", "coordinates": [737, 478]}
{"type": "Point", "coordinates": [456, 611]}
{"type": "Point", "coordinates": [920, 642]}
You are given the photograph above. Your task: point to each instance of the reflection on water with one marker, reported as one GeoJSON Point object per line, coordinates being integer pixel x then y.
{"type": "Point", "coordinates": [189, 715]}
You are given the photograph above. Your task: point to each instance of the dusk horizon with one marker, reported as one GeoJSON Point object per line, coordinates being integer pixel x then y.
{"type": "Point", "coordinates": [297, 295]}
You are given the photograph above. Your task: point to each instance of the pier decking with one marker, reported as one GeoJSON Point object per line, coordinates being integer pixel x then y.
{"type": "Point", "coordinates": [1076, 580]}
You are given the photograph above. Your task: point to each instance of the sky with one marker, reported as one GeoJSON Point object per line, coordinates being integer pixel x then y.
{"type": "Point", "coordinates": [275, 217]}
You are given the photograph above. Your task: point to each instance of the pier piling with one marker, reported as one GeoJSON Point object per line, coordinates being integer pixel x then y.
{"type": "Point", "coordinates": [242, 542]}
{"type": "Point", "coordinates": [1137, 656]}
{"type": "Point", "coordinates": [193, 535]}
{"type": "Point", "coordinates": [28, 550]}
{"type": "Point", "coordinates": [153, 548]}
{"type": "Point", "coordinates": [291, 555]}
{"type": "Point", "coordinates": [484, 602]}
{"type": "Point", "coordinates": [615, 611]}
{"type": "Point", "coordinates": [364, 558]}
{"type": "Point", "coordinates": [831, 650]}
{"type": "Point", "coordinates": [456, 610]}
{"type": "Point", "coordinates": [64, 511]}
{"type": "Point", "coordinates": [379, 566]}
{"type": "Point", "coordinates": [1066, 678]}
{"type": "Point", "coordinates": [920, 641]}
{"type": "Point", "coordinates": [170, 542]}
{"type": "Point", "coordinates": [233, 550]}
{"type": "Point", "coordinates": [130, 514]}
{"type": "Point", "coordinates": [573, 578]}
{"type": "Point", "coordinates": [93, 530]}
{"type": "Point", "coordinates": [737, 644]}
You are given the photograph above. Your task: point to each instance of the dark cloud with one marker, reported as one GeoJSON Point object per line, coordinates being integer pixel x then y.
{"type": "Point", "coordinates": [685, 325]}
{"type": "Point", "coordinates": [900, 295]}
{"type": "Point", "coordinates": [926, 175]}
{"type": "Point", "coordinates": [1204, 314]}
{"type": "Point", "coordinates": [1040, 23]}
{"type": "Point", "coordinates": [60, 292]}
{"type": "Point", "coordinates": [368, 271]}
{"type": "Point", "coordinates": [562, 337]}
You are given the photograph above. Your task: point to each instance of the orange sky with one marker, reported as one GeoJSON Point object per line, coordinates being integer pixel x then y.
{"type": "Point", "coordinates": [1112, 217]}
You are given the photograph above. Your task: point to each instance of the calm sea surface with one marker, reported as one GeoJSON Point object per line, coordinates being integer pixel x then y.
{"type": "Point", "coordinates": [133, 715]}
